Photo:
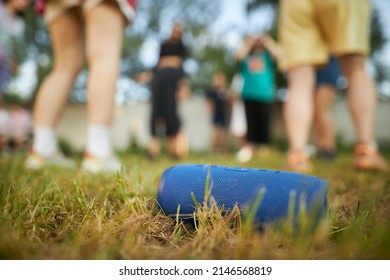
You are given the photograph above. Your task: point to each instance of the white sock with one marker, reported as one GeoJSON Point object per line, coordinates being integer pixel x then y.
{"type": "Point", "coordinates": [45, 141]}
{"type": "Point", "coordinates": [99, 140]}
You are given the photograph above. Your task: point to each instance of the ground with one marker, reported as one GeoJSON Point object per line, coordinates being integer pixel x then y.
{"type": "Point", "coordinates": [60, 214]}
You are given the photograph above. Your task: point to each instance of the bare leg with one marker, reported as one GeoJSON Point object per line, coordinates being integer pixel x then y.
{"type": "Point", "coordinates": [154, 147]}
{"type": "Point", "coordinates": [362, 99]}
{"type": "Point", "coordinates": [104, 32]}
{"type": "Point", "coordinates": [67, 42]}
{"type": "Point", "coordinates": [298, 112]}
{"type": "Point", "coordinates": [298, 109]}
{"type": "Point", "coordinates": [218, 144]}
{"type": "Point", "coordinates": [362, 102]}
{"type": "Point", "coordinates": [178, 145]}
{"type": "Point", "coordinates": [323, 119]}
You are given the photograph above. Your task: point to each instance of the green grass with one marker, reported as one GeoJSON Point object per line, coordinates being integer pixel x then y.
{"type": "Point", "coordinates": [59, 214]}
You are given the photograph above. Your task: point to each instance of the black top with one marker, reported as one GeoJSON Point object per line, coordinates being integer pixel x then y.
{"type": "Point", "coordinates": [220, 99]}
{"type": "Point", "coordinates": [173, 48]}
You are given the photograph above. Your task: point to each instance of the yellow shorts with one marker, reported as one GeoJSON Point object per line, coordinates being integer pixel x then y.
{"type": "Point", "coordinates": [54, 8]}
{"type": "Point", "coordinates": [311, 29]}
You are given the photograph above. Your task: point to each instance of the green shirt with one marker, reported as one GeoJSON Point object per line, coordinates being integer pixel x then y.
{"type": "Point", "coordinates": [257, 71]}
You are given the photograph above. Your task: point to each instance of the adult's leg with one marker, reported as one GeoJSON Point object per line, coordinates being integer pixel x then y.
{"type": "Point", "coordinates": [298, 111]}
{"type": "Point", "coordinates": [323, 119]}
{"type": "Point", "coordinates": [104, 32]}
{"type": "Point", "coordinates": [178, 146]}
{"type": "Point", "coordinates": [362, 98]}
{"type": "Point", "coordinates": [67, 41]}
{"type": "Point", "coordinates": [154, 147]}
{"type": "Point", "coordinates": [362, 102]}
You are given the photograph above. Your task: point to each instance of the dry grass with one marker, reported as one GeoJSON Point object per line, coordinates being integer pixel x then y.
{"type": "Point", "coordinates": [58, 214]}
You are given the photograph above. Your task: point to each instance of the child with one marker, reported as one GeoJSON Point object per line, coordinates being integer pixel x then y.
{"type": "Point", "coordinates": [19, 123]}
{"type": "Point", "coordinates": [326, 86]}
{"type": "Point", "coordinates": [11, 31]}
{"type": "Point", "coordinates": [98, 26]}
{"type": "Point", "coordinates": [257, 70]}
{"type": "Point", "coordinates": [218, 100]}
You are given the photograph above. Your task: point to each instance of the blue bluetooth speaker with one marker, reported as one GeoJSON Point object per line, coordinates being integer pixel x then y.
{"type": "Point", "coordinates": [277, 191]}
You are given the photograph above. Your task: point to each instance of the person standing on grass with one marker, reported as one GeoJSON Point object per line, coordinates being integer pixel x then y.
{"type": "Point", "coordinates": [73, 24]}
{"type": "Point", "coordinates": [326, 86]}
{"type": "Point", "coordinates": [237, 126]}
{"type": "Point", "coordinates": [218, 98]}
{"type": "Point", "coordinates": [258, 92]}
{"type": "Point", "coordinates": [19, 124]}
{"type": "Point", "coordinates": [308, 29]}
{"type": "Point", "coordinates": [168, 87]}
{"type": "Point", "coordinates": [11, 31]}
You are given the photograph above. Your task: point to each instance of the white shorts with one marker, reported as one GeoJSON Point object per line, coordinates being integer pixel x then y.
{"type": "Point", "coordinates": [54, 8]}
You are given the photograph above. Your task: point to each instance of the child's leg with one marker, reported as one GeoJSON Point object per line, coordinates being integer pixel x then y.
{"type": "Point", "coordinates": [104, 31]}
{"type": "Point", "coordinates": [298, 108]}
{"type": "Point", "coordinates": [323, 119]}
{"type": "Point", "coordinates": [263, 124]}
{"type": "Point", "coordinates": [67, 43]}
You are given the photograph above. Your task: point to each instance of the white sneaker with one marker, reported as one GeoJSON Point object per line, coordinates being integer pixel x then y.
{"type": "Point", "coordinates": [245, 154]}
{"type": "Point", "coordinates": [94, 164]}
{"type": "Point", "coordinates": [35, 161]}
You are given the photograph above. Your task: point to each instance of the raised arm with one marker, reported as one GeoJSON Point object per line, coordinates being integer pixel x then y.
{"type": "Point", "coordinates": [272, 46]}
{"type": "Point", "coordinates": [245, 48]}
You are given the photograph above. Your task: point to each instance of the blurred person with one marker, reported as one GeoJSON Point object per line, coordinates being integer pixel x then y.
{"type": "Point", "coordinates": [326, 86]}
{"type": "Point", "coordinates": [11, 32]}
{"type": "Point", "coordinates": [237, 118]}
{"type": "Point", "coordinates": [3, 129]}
{"type": "Point", "coordinates": [258, 92]}
{"type": "Point", "coordinates": [19, 125]}
{"type": "Point", "coordinates": [74, 25]}
{"type": "Point", "coordinates": [168, 87]}
{"type": "Point", "coordinates": [218, 97]}
{"type": "Point", "coordinates": [341, 26]}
